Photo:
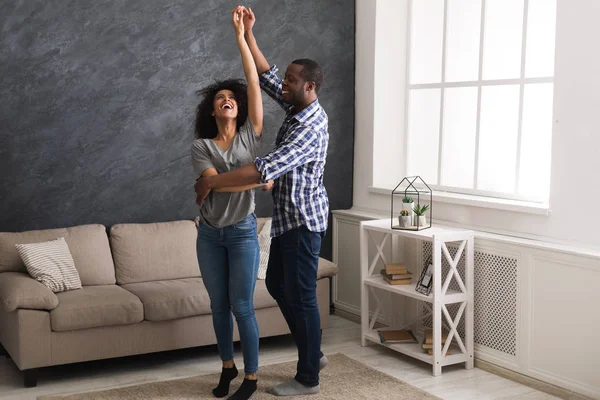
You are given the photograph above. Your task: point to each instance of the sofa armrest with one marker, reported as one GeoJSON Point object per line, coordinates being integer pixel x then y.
{"type": "Point", "coordinates": [326, 269]}
{"type": "Point", "coordinates": [18, 290]}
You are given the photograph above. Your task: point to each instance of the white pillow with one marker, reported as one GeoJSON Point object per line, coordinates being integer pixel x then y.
{"type": "Point", "coordinates": [264, 244]}
{"type": "Point", "coordinates": [51, 263]}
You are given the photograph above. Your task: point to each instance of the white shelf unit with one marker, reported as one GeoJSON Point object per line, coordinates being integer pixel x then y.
{"type": "Point", "coordinates": [440, 296]}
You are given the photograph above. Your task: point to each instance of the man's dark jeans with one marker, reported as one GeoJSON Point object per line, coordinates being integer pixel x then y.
{"type": "Point", "coordinates": [292, 281]}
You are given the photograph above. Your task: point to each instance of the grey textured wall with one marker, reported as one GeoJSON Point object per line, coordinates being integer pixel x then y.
{"type": "Point", "coordinates": [98, 99]}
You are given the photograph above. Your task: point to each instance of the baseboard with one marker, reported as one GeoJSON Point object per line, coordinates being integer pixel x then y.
{"type": "Point", "coordinates": [349, 309]}
{"type": "Point", "coordinates": [347, 315]}
{"type": "Point", "coordinates": [528, 381]}
{"type": "Point", "coordinates": [354, 318]}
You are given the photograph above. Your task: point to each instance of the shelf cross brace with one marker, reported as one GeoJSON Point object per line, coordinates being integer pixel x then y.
{"type": "Point", "coordinates": [453, 262]}
{"type": "Point", "coordinates": [429, 313]}
{"type": "Point", "coordinates": [453, 328]}
{"type": "Point", "coordinates": [379, 252]}
{"type": "Point", "coordinates": [377, 309]}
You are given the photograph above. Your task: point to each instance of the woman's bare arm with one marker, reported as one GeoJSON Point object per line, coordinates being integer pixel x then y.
{"type": "Point", "coordinates": [255, 105]}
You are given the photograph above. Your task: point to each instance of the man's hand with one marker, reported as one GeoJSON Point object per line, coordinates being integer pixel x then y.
{"type": "Point", "coordinates": [268, 186]}
{"type": "Point", "coordinates": [249, 19]}
{"type": "Point", "coordinates": [202, 190]}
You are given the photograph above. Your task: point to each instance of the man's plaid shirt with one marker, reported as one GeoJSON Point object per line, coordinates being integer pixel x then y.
{"type": "Point", "coordinates": [296, 164]}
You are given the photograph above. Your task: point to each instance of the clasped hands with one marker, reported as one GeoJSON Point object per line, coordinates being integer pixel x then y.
{"type": "Point", "coordinates": [243, 19]}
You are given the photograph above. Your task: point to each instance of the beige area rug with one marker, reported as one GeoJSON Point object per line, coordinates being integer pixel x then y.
{"type": "Point", "coordinates": [344, 378]}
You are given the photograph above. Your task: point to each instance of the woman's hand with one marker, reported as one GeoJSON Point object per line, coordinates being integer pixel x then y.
{"type": "Point", "coordinates": [268, 185]}
{"type": "Point", "coordinates": [237, 18]}
{"type": "Point", "coordinates": [249, 19]}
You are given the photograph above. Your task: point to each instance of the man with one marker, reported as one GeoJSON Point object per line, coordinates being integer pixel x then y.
{"type": "Point", "coordinates": [300, 208]}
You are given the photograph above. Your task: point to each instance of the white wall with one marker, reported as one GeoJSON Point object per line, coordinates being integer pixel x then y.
{"type": "Point", "coordinates": [389, 101]}
{"type": "Point", "coordinates": [365, 97]}
{"type": "Point", "coordinates": [553, 285]}
{"type": "Point", "coordinates": [575, 187]}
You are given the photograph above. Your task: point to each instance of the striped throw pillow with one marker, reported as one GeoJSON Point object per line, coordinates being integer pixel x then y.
{"type": "Point", "coordinates": [264, 245]}
{"type": "Point", "coordinates": [51, 263]}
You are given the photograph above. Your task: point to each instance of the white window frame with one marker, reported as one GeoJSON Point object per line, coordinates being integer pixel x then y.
{"type": "Point", "coordinates": [480, 83]}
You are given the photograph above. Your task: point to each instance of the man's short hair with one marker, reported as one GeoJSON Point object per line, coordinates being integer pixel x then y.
{"type": "Point", "coordinates": [311, 72]}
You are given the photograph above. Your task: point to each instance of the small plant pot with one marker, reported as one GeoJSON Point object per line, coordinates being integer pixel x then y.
{"type": "Point", "coordinates": [404, 221]}
{"type": "Point", "coordinates": [409, 207]}
{"type": "Point", "coordinates": [422, 220]}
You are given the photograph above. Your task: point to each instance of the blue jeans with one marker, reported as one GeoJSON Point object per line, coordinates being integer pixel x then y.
{"type": "Point", "coordinates": [229, 259]}
{"type": "Point", "coordinates": [292, 281]}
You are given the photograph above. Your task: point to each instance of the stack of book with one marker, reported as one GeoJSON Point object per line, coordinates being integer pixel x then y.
{"type": "Point", "coordinates": [397, 336]}
{"type": "Point", "coordinates": [427, 344]}
{"type": "Point", "coordinates": [396, 274]}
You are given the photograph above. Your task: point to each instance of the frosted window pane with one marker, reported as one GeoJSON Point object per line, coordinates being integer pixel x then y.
{"type": "Point", "coordinates": [427, 25]}
{"type": "Point", "coordinates": [541, 34]}
{"type": "Point", "coordinates": [462, 40]}
{"type": "Point", "coordinates": [458, 140]}
{"type": "Point", "coordinates": [503, 28]}
{"type": "Point", "coordinates": [424, 133]}
{"type": "Point", "coordinates": [536, 142]}
{"type": "Point", "coordinates": [498, 138]}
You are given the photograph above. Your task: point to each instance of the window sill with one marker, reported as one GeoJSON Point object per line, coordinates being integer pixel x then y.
{"type": "Point", "coordinates": [480, 201]}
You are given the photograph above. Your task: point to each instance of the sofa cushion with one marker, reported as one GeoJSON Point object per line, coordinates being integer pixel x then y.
{"type": "Point", "coordinates": [88, 245]}
{"type": "Point", "coordinates": [262, 298]}
{"type": "Point", "coordinates": [93, 306]}
{"type": "Point", "coordinates": [264, 248]}
{"type": "Point", "coordinates": [172, 299]}
{"type": "Point", "coordinates": [154, 252]}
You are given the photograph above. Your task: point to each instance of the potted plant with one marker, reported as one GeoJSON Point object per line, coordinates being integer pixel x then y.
{"type": "Point", "coordinates": [404, 219]}
{"type": "Point", "coordinates": [407, 204]}
{"type": "Point", "coordinates": [420, 213]}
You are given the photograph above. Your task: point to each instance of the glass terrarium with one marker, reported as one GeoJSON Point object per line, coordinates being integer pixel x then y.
{"type": "Point", "coordinates": [415, 213]}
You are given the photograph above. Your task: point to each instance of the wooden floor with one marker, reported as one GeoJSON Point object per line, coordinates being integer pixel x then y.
{"type": "Point", "coordinates": [342, 337]}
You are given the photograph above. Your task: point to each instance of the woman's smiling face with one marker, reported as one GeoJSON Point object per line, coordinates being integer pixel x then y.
{"type": "Point", "coordinates": [224, 105]}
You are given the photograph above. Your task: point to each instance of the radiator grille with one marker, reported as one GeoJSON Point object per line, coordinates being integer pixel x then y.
{"type": "Point", "coordinates": [495, 309]}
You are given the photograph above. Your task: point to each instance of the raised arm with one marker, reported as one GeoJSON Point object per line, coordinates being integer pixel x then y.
{"type": "Point", "coordinates": [255, 105]}
{"type": "Point", "coordinates": [269, 81]}
{"type": "Point", "coordinates": [262, 65]}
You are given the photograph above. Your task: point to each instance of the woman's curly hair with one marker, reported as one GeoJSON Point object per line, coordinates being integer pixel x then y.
{"type": "Point", "coordinates": [206, 124]}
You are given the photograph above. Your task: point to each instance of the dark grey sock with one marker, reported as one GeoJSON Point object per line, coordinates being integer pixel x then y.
{"type": "Point", "coordinates": [293, 388]}
{"type": "Point", "coordinates": [323, 361]}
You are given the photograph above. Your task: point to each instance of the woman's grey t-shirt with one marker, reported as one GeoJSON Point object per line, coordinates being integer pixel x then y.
{"type": "Point", "coordinates": [223, 209]}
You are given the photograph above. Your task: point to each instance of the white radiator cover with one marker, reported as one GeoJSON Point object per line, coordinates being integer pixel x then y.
{"type": "Point", "coordinates": [495, 311]}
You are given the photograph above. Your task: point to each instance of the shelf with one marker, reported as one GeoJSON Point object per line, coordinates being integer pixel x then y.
{"type": "Point", "coordinates": [452, 296]}
{"type": "Point", "coordinates": [414, 350]}
{"type": "Point", "coordinates": [427, 234]}
{"type": "Point", "coordinates": [440, 236]}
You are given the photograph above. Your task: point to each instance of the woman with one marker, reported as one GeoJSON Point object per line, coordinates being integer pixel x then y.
{"type": "Point", "coordinates": [229, 123]}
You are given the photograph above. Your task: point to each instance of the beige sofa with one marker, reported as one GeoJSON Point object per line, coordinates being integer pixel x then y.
{"type": "Point", "coordinates": [142, 293]}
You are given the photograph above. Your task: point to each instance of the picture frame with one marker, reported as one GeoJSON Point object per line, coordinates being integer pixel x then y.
{"type": "Point", "coordinates": [425, 282]}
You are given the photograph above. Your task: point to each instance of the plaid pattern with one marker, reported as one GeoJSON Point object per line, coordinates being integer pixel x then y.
{"type": "Point", "coordinates": [296, 164]}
